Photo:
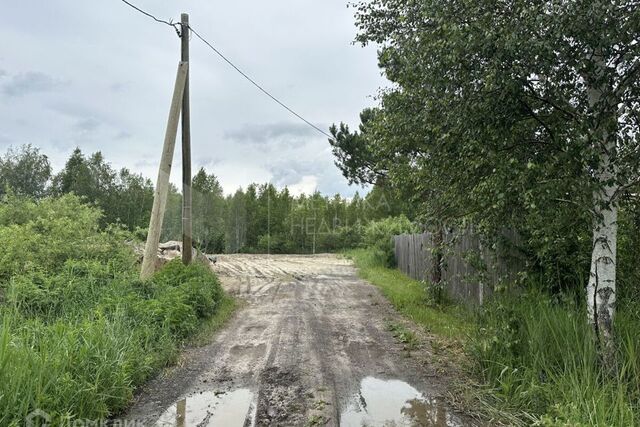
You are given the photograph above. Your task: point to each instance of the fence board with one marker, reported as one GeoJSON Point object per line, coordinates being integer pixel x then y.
{"type": "Point", "coordinates": [470, 271]}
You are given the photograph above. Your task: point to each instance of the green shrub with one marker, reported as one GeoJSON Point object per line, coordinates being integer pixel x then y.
{"type": "Point", "coordinates": [350, 236]}
{"type": "Point", "coordinates": [54, 230]}
{"type": "Point", "coordinates": [172, 310]}
{"type": "Point", "coordinates": [203, 295]}
{"type": "Point", "coordinates": [276, 243]}
{"type": "Point", "coordinates": [80, 331]}
{"type": "Point", "coordinates": [33, 294]}
{"type": "Point", "coordinates": [379, 235]}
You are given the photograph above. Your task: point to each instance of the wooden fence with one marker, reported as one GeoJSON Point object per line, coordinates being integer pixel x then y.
{"type": "Point", "coordinates": [467, 270]}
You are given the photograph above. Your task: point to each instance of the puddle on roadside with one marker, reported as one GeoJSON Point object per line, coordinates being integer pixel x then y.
{"type": "Point", "coordinates": [211, 408]}
{"type": "Point", "coordinates": [394, 403]}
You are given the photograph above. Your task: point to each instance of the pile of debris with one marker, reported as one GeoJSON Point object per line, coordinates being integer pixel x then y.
{"type": "Point", "coordinates": [173, 249]}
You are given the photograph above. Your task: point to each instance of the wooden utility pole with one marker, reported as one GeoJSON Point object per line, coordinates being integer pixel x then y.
{"type": "Point", "coordinates": [187, 243]}
{"type": "Point", "coordinates": [162, 185]}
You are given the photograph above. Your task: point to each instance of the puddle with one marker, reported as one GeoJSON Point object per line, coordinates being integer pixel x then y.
{"type": "Point", "coordinates": [211, 408]}
{"type": "Point", "coordinates": [394, 403]}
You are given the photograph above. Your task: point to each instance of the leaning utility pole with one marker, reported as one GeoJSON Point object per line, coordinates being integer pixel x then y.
{"type": "Point", "coordinates": [162, 185]}
{"type": "Point", "coordinates": [186, 150]}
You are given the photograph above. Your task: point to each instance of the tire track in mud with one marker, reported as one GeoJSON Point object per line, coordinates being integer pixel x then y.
{"type": "Point", "coordinates": [307, 337]}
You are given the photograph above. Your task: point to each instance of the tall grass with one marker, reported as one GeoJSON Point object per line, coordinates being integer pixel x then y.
{"type": "Point", "coordinates": [78, 335]}
{"type": "Point", "coordinates": [539, 359]}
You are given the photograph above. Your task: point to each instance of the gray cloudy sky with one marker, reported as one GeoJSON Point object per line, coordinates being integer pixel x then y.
{"type": "Point", "coordinates": [98, 75]}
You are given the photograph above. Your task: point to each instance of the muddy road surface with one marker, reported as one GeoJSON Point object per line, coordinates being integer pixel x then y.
{"type": "Point", "coordinates": [311, 345]}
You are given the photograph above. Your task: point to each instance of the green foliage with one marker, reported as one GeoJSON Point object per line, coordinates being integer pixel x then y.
{"type": "Point", "coordinates": [539, 359]}
{"type": "Point", "coordinates": [201, 289]}
{"type": "Point", "coordinates": [130, 204]}
{"type": "Point", "coordinates": [262, 219]}
{"type": "Point", "coordinates": [51, 231]}
{"type": "Point", "coordinates": [79, 330]}
{"type": "Point", "coordinates": [172, 225]}
{"type": "Point", "coordinates": [489, 123]}
{"type": "Point", "coordinates": [258, 219]}
{"type": "Point", "coordinates": [379, 235]}
{"type": "Point", "coordinates": [628, 250]}
{"type": "Point", "coordinates": [536, 354]}
{"type": "Point", "coordinates": [357, 159]}
{"type": "Point", "coordinates": [123, 197]}
{"type": "Point", "coordinates": [404, 335]}
{"type": "Point", "coordinates": [25, 172]}
{"type": "Point", "coordinates": [235, 222]}
{"type": "Point", "coordinates": [437, 292]}
{"type": "Point", "coordinates": [519, 115]}
{"type": "Point", "coordinates": [208, 212]}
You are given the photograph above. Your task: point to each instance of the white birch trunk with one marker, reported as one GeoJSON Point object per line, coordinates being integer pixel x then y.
{"type": "Point", "coordinates": [601, 288]}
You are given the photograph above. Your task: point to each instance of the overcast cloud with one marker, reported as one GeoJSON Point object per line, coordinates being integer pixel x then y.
{"type": "Point", "coordinates": [98, 75]}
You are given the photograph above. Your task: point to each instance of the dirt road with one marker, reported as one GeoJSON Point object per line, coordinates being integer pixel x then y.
{"type": "Point", "coordinates": [310, 346]}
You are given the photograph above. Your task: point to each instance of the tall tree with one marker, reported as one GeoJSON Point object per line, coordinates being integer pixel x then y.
{"type": "Point", "coordinates": [500, 109]}
{"type": "Point", "coordinates": [252, 221]}
{"type": "Point", "coordinates": [123, 196]}
{"type": "Point", "coordinates": [75, 177]}
{"type": "Point", "coordinates": [172, 224]}
{"type": "Point", "coordinates": [133, 199]}
{"type": "Point", "coordinates": [25, 171]}
{"type": "Point", "coordinates": [208, 212]}
{"type": "Point", "coordinates": [236, 222]}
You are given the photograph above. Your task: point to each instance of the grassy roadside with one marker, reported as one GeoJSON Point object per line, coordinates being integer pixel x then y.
{"type": "Point", "coordinates": [408, 296]}
{"type": "Point", "coordinates": [207, 329]}
{"type": "Point", "coordinates": [448, 325]}
{"type": "Point", "coordinates": [532, 358]}
{"type": "Point", "coordinates": [80, 331]}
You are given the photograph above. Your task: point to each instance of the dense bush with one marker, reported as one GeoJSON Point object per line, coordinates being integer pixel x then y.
{"type": "Point", "coordinates": [539, 358]}
{"type": "Point", "coordinates": [79, 330]}
{"type": "Point", "coordinates": [379, 234]}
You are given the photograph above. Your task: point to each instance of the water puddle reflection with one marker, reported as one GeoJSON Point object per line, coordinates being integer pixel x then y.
{"type": "Point", "coordinates": [394, 403]}
{"type": "Point", "coordinates": [211, 408]}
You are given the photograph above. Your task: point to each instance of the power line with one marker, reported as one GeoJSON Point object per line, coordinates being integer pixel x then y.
{"type": "Point", "coordinates": [253, 82]}
{"type": "Point", "coordinates": [176, 26]}
{"type": "Point", "coordinates": [230, 63]}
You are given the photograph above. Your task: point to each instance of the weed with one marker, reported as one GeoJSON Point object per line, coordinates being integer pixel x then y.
{"type": "Point", "coordinates": [317, 420]}
{"type": "Point", "coordinates": [320, 404]}
{"type": "Point", "coordinates": [404, 335]}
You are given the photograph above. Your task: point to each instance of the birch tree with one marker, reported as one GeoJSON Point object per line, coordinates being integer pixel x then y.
{"type": "Point", "coordinates": [504, 109]}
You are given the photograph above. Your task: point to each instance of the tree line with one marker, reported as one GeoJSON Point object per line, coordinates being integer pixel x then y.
{"type": "Point", "coordinates": [260, 218]}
